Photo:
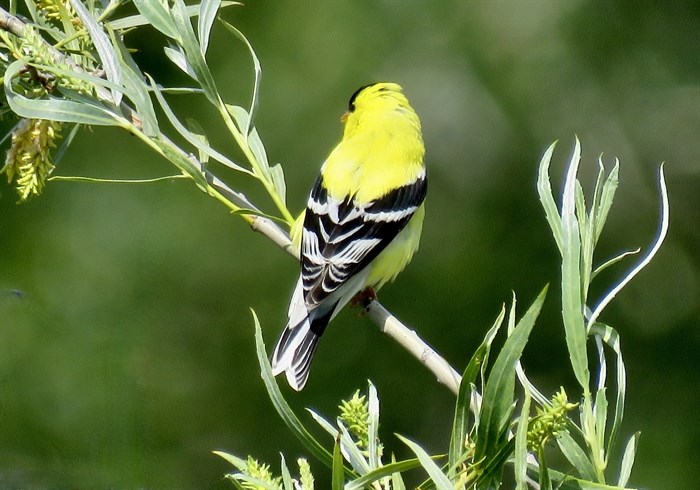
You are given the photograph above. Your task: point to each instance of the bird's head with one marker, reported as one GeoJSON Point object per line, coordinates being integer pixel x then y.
{"type": "Point", "coordinates": [375, 103]}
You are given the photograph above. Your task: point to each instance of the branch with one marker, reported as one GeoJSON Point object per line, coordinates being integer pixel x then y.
{"type": "Point", "coordinates": [387, 323]}
{"type": "Point", "coordinates": [410, 341]}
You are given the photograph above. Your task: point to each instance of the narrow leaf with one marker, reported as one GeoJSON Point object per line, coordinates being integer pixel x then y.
{"type": "Point", "coordinates": [286, 476]}
{"type": "Point", "coordinates": [257, 72]}
{"type": "Point", "coordinates": [461, 418]}
{"type": "Point", "coordinates": [178, 58]}
{"type": "Point", "coordinates": [628, 459]}
{"type": "Point", "coordinates": [338, 478]}
{"type": "Point", "coordinates": [434, 472]}
{"type": "Point", "coordinates": [613, 261]}
{"type": "Point", "coordinates": [572, 304]}
{"type": "Point", "coordinates": [612, 339]}
{"type": "Point", "coordinates": [661, 235]}
{"type": "Point", "coordinates": [56, 109]}
{"type": "Point", "coordinates": [158, 16]}
{"type": "Point", "coordinates": [394, 469]}
{"type": "Point", "coordinates": [193, 51]}
{"type": "Point", "coordinates": [234, 460]}
{"type": "Point", "coordinates": [544, 480]}
{"type": "Point", "coordinates": [373, 431]}
{"type": "Point", "coordinates": [544, 189]}
{"type": "Point", "coordinates": [108, 56]}
{"type": "Point", "coordinates": [277, 174]}
{"type": "Point", "coordinates": [135, 88]}
{"type": "Point", "coordinates": [189, 136]}
{"type": "Point", "coordinates": [281, 405]}
{"type": "Point", "coordinates": [576, 456]}
{"type": "Point", "coordinates": [606, 198]}
{"type": "Point", "coordinates": [521, 443]}
{"type": "Point", "coordinates": [207, 14]}
{"type": "Point", "coordinates": [141, 20]}
{"type": "Point", "coordinates": [499, 390]}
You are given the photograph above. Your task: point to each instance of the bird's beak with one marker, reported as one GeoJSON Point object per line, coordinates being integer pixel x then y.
{"type": "Point", "coordinates": [345, 116]}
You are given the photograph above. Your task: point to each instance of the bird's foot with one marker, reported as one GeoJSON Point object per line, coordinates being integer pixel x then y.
{"type": "Point", "coordinates": [364, 298]}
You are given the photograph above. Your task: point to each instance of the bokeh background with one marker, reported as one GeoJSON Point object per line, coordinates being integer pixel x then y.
{"type": "Point", "coordinates": [126, 339]}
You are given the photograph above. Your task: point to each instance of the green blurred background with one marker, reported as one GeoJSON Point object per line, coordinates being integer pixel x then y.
{"type": "Point", "coordinates": [126, 340]}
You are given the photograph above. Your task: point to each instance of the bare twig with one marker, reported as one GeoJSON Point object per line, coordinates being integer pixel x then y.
{"type": "Point", "coordinates": [410, 341]}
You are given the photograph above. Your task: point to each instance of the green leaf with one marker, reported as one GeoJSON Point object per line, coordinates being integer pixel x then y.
{"type": "Point", "coordinates": [434, 472]}
{"type": "Point", "coordinates": [351, 452]}
{"type": "Point", "coordinates": [177, 56]}
{"type": "Point", "coordinates": [521, 443]}
{"type": "Point", "coordinates": [158, 16]}
{"type": "Point", "coordinates": [257, 72]}
{"type": "Point", "coordinates": [191, 138]}
{"type": "Point", "coordinates": [373, 430]}
{"type": "Point", "coordinates": [234, 460]}
{"type": "Point", "coordinates": [254, 482]}
{"type": "Point", "coordinates": [277, 174]}
{"type": "Point", "coordinates": [141, 20]}
{"type": "Point", "coordinates": [606, 199]}
{"type": "Point", "coordinates": [54, 109]}
{"type": "Point", "coordinates": [572, 304]}
{"type": "Point", "coordinates": [628, 459]}
{"type": "Point", "coordinates": [613, 261]}
{"type": "Point", "coordinates": [576, 456]}
{"type": "Point", "coordinates": [197, 131]}
{"type": "Point", "coordinates": [608, 335]}
{"type": "Point", "coordinates": [181, 161]}
{"type": "Point", "coordinates": [258, 149]}
{"type": "Point", "coordinates": [281, 405]}
{"type": "Point", "coordinates": [338, 479]}
{"type": "Point", "coordinates": [499, 390]}
{"type": "Point", "coordinates": [105, 50]}
{"type": "Point", "coordinates": [601, 415]}
{"type": "Point", "coordinates": [207, 14]}
{"type": "Point", "coordinates": [135, 88]}
{"type": "Point", "coordinates": [193, 52]}
{"type": "Point", "coordinates": [397, 482]}
{"type": "Point", "coordinates": [286, 476]}
{"type": "Point", "coordinates": [461, 417]}
{"type": "Point", "coordinates": [544, 189]}
{"type": "Point", "coordinates": [660, 236]}
{"type": "Point", "coordinates": [240, 115]}
{"type": "Point", "coordinates": [566, 482]}
{"type": "Point", "coordinates": [394, 469]}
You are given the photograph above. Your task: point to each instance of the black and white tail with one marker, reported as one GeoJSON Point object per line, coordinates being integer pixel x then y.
{"type": "Point", "coordinates": [296, 347]}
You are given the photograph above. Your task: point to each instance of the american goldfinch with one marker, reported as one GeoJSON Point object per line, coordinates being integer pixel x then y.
{"type": "Point", "coordinates": [362, 222]}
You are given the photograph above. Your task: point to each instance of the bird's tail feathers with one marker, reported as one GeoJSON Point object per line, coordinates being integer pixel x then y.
{"type": "Point", "coordinates": [293, 353]}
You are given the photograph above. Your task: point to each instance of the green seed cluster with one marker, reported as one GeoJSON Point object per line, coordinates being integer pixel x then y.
{"type": "Point", "coordinates": [28, 160]}
{"type": "Point", "coordinates": [549, 421]}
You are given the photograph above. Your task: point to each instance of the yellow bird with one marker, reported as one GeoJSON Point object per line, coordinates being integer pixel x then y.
{"type": "Point", "coordinates": [362, 222]}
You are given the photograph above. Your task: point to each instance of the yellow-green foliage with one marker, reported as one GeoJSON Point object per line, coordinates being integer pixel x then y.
{"type": "Point", "coordinates": [28, 160]}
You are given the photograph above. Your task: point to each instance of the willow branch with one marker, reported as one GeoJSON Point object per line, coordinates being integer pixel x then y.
{"type": "Point", "coordinates": [13, 25]}
{"type": "Point", "coordinates": [386, 322]}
